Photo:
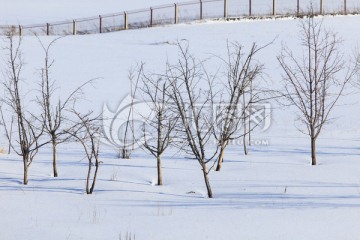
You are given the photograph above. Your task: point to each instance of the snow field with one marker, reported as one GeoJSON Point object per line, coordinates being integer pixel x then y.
{"type": "Point", "coordinates": [271, 194]}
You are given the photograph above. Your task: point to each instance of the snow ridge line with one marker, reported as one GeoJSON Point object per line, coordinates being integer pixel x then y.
{"type": "Point", "coordinates": [185, 12]}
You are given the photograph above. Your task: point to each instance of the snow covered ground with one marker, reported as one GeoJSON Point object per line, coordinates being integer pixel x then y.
{"type": "Point", "coordinates": [271, 194]}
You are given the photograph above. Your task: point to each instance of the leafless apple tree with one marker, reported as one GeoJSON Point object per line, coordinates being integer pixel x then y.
{"type": "Point", "coordinates": [127, 135]}
{"type": "Point", "coordinates": [234, 110]}
{"type": "Point", "coordinates": [28, 130]}
{"type": "Point", "coordinates": [53, 112]}
{"type": "Point", "coordinates": [316, 78]}
{"type": "Point", "coordinates": [191, 92]}
{"type": "Point", "coordinates": [158, 127]}
{"type": "Point", "coordinates": [87, 131]}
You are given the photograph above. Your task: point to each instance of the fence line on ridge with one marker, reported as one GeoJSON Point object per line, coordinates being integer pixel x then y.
{"type": "Point", "coordinates": [188, 12]}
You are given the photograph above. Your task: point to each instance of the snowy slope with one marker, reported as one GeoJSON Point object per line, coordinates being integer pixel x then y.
{"type": "Point", "coordinates": [42, 11]}
{"type": "Point", "coordinates": [271, 194]}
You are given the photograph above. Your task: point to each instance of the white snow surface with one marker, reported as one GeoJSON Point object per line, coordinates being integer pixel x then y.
{"type": "Point", "coordinates": [272, 193]}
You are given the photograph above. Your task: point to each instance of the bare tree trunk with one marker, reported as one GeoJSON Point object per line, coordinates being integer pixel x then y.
{"type": "Point", "coordinates": [313, 151]}
{"type": "Point", "coordinates": [207, 182]}
{"type": "Point", "coordinates": [88, 179]}
{"type": "Point", "coordinates": [159, 146]}
{"type": "Point", "coordinates": [25, 160]}
{"type": "Point", "coordinates": [221, 157]}
{"type": "Point", "coordinates": [95, 175]}
{"type": "Point", "coordinates": [244, 137]}
{"type": "Point", "coordinates": [159, 170]}
{"type": "Point", "coordinates": [54, 158]}
{"type": "Point", "coordinates": [250, 111]}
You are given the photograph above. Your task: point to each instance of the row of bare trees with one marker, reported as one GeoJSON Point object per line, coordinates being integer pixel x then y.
{"type": "Point", "coordinates": [193, 106]}
{"type": "Point", "coordinates": [190, 106]}
{"type": "Point", "coordinates": [189, 110]}
{"type": "Point", "coordinates": [44, 119]}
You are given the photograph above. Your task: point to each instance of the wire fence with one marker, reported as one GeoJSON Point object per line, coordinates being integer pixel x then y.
{"type": "Point", "coordinates": [188, 12]}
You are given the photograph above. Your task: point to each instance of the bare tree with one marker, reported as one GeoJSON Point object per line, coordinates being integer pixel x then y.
{"type": "Point", "coordinates": [128, 141]}
{"type": "Point", "coordinates": [122, 128]}
{"type": "Point", "coordinates": [87, 130]}
{"type": "Point", "coordinates": [29, 130]}
{"type": "Point", "coordinates": [242, 69]}
{"type": "Point", "coordinates": [315, 80]}
{"type": "Point", "coordinates": [56, 125]}
{"type": "Point", "coordinates": [192, 94]}
{"type": "Point", "coordinates": [157, 129]}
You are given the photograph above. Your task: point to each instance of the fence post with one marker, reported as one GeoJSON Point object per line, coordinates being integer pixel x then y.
{"type": "Point", "coordinates": [298, 8]}
{"type": "Point", "coordinates": [48, 29]}
{"type": "Point", "coordinates": [74, 27]}
{"type": "Point", "coordinates": [20, 30]}
{"type": "Point", "coordinates": [201, 10]}
{"type": "Point", "coordinates": [225, 9]}
{"type": "Point", "coordinates": [321, 6]}
{"type": "Point", "coordinates": [250, 8]}
{"type": "Point", "coordinates": [100, 24]}
{"type": "Point", "coordinates": [151, 17]}
{"type": "Point", "coordinates": [345, 8]}
{"type": "Point", "coordinates": [274, 8]}
{"type": "Point", "coordinates": [176, 13]}
{"type": "Point", "coordinates": [126, 24]}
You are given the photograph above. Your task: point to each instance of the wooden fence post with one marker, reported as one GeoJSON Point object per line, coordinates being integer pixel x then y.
{"type": "Point", "coordinates": [20, 30]}
{"type": "Point", "coordinates": [225, 9]}
{"type": "Point", "coordinates": [74, 27]}
{"type": "Point", "coordinates": [100, 24]}
{"type": "Point", "coordinates": [298, 8]}
{"type": "Point", "coordinates": [250, 12]}
{"type": "Point", "coordinates": [321, 6]}
{"type": "Point", "coordinates": [274, 8]}
{"type": "Point", "coordinates": [126, 24]}
{"type": "Point", "coordinates": [201, 10]}
{"type": "Point", "coordinates": [151, 17]}
{"type": "Point", "coordinates": [48, 29]}
{"type": "Point", "coordinates": [176, 13]}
